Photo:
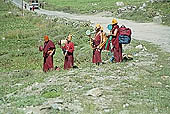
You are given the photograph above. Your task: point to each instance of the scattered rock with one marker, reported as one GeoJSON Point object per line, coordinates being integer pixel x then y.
{"type": "Point", "coordinates": [94, 4]}
{"type": "Point", "coordinates": [126, 9]}
{"type": "Point", "coordinates": [165, 77]}
{"type": "Point", "coordinates": [143, 7]}
{"type": "Point", "coordinates": [152, 1]}
{"type": "Point", "coordinates": [45, 107]}
{"type": "Point", "coordinates": [161, 66]}
{"type": "Point", "coordinates": [57, 106]}
{"type": "Point", "coordinates": [124, 112]}
{"type": "Point", "coordinates": [29, 112]}
{"type": "Point", "coordinates": [139, 47]}
{"type": "Point", "coordinates": [120, 4]}
{"type": "Point", "coordinates": [157, 19]}
{"type": "Point", "coordinates": [59, 101]}
{"type": "Point", "coordinates": [3, 38]}
{"type": "Point", "coordinates": [159, 83]}
{"type": "Point", "coordinates": [167, 86]}
{"type": "Point", "coordinates": [125, 105]}
{"type": "Point", "coordinates": [96, 92]}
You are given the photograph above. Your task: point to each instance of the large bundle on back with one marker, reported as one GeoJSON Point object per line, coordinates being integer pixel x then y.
{"type": "Point", "coordinates": [124, 35]}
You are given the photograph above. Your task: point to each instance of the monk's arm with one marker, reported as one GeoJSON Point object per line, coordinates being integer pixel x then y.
{"type": "Point", "coordinates": [71, 48]}
{"type": "Point", "coordinates": [115, 33]}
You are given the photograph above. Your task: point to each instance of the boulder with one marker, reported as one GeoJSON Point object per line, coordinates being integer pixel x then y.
{"type": "Point", "coordinates": [139, 47]}
{"type": "Point", "coordinates": [95, 92]}
{"type": "Point", "coordinates": [157, 19]}
{"type": "Point", "coordinates": [120, 4]}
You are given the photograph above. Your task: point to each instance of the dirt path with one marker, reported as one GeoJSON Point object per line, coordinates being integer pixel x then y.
{"type": "Point", "coordinates": [157, 34]}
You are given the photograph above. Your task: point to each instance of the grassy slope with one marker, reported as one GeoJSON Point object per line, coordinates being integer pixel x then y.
{"type": "Point", "coordinates": [86, 6]}
{"type": "Point", "coordinates": [136, 83]}
{"type": "Point", "coordinates": [96, 6]}
{"type": "Point", "coordinates": [151, 11]}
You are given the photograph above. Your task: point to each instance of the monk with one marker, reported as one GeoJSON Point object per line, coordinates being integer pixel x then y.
{"type": "Point", "coordinates": [48, 52]}
{"type": "Point", "coordinates": [117, 47]}
{"type": "Point", "coordinates": [68, 50]}
{"type": "Point", "coordinates": [96, 45]}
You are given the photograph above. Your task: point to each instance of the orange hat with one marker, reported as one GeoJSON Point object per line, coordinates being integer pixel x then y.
{"type": "Point", "coordinates": [114, 21]}
{"type": "Point", "coordinates": [46, 38]}
{"type": "Point", "coordinates": [98, 26]}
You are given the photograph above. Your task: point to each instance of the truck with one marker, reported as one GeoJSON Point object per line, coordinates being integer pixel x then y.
{"type": "Point", "coordinates": [33, 3]}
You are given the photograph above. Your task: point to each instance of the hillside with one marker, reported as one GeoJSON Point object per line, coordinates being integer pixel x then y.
{"type": "Point", "coordinates": [138, 10]}
{"type": "Point", "coordinates": [140, 85]}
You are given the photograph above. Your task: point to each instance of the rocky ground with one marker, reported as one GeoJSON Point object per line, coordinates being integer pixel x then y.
{"type": "Point", "coordinates": [93, 89]}
{"type": "Point", "coordinates": [139, 85]}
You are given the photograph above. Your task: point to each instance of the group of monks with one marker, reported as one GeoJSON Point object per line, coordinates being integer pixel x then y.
{"type": "Point", "coordinates": [112, 44]}
{"type": "Point", "coordinates": [49, 51]}
{"type": "Point", "coordinates": [98, 43]}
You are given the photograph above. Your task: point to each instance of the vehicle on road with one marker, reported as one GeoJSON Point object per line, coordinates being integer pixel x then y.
{"type": "Point", "coordinates": [33, 4]}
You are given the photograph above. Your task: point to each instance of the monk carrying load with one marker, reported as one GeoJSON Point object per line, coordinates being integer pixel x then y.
{"type": "Point", "coordinates": [95, 44]}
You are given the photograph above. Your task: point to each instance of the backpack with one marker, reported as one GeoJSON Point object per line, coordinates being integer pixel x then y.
{"type": "Point", "coordinates": [124, 35]}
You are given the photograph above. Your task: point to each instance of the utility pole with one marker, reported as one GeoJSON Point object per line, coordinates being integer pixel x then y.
{"type": "Point", "coordinates": [22, 8]}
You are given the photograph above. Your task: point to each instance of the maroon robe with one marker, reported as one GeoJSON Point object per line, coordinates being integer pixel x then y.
{"type": "Point", "coordinates": [97, 52]}
{"type": "Point", "coordinates": [48, 59]}
{"type": "Point", "coordinates": [117, 46]}
{"type": "Point", "coordinates": [69, 59]}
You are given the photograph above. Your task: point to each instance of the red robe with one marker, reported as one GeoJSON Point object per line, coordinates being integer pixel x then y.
{"type": "Point", "coordinates": [97, 52]}
{"type": "Point", "coordinates": [69, 59]}
{"type": "Point", "coordinates": [117, 46]}
{"type": "Point", "coordinates": [48, 59]}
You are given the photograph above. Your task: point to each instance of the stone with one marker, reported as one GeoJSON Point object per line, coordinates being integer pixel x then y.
{"type": "Point", "coordinates": [95, 92]}
{"type": "Point", "coordinates": [157, 19]}
{"type": "Point", "coordinates": [152, 1]}
{"type": "Point", "coordinates": [30, 112]}
{"type": "Point", "coordinates": [120, 4]}
{"type": "Point", "coordinates": [164, 77]}
{"type": "Point", "coordinates": [125, 105]}
{"type": "Point", "coordinates": [3, 38]}
{"type": "Point", "coordinates": [124, 112]}
{"type": "Point", "coordinates": [126, 9]}
{"type": "Point", "coordinates": [59, 101]}
{"type": "Point", "coordinates": [139, 47]}
{"type": "Point", "coordinates": [45, 107]}
{"type": "Point", "coordinates": [56, 106]}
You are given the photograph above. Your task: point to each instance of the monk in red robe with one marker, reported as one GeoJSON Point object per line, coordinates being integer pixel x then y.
{"type": "Point", "coordinates": [117, 47]}
{"type": "Point", "coordinates": [96, 46]}
{"type": "Point", "coordinates": [48, 52]}
{"type": "Point", "coordinates": [68, 50]}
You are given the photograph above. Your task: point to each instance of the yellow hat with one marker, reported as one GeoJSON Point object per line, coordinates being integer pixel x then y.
{"type": "Point", "coordinates": [46, 38]}
{"type": "Point", "coordinates": [98, 26]}
{"type": "Point", "coordinates": [114, 21]}
{"type": "Point", "coordinates": [69, 37]}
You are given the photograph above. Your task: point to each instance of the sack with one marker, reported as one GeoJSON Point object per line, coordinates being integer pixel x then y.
{"type": "Point", "coordinates": [124, 35]}
{"type": "Point", "coordinates": [123, 39]}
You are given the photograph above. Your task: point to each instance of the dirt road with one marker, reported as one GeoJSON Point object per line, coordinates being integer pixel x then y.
{"type": "Point", "coordinates": [157, 34]}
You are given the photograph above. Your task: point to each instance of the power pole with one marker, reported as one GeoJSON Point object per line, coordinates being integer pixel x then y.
{"type": "Point", "coordinates": [22, 8]}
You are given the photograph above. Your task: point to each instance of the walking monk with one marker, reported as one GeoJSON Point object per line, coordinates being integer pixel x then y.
{"type": "Point", "coordinates": [68, 50]}
{"type": "Point", "coordinates": [48, 52]}
{"type": "Point", "coordinates": [96, 45]}
{"type": "Point", "coordinates": [115, 41]}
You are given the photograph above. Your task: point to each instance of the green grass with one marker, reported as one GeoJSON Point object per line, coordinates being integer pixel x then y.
{"type": "Point", "coordinates": [128, 87]}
